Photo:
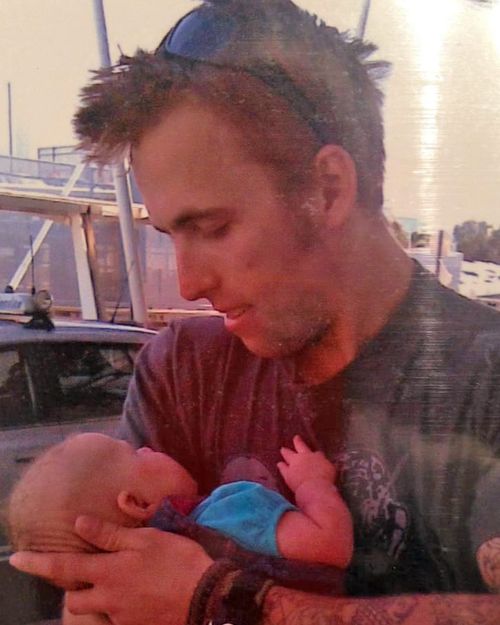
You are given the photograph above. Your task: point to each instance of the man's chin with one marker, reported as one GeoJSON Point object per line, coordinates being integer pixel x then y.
{"type": "Point", "coordinates": [265, 348]}
{"type": "Point", "coordinates": [281, 346]}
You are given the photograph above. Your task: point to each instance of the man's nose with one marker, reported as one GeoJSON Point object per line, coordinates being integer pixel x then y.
{"type": "Point", "coordinates": [196, 275]}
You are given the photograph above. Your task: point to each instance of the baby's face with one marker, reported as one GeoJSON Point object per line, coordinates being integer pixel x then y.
{"type": "Point", "coordinates": [91, 474]}
{"type": "Point", "coordinates": [153, 473]}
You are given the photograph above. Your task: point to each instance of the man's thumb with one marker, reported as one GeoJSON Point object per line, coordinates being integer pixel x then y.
{"type": "Point", "coordinates": [104, 535]}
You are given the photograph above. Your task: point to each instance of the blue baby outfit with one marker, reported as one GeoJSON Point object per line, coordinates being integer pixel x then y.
{"type": "Point", "coordinates": [247, 512]}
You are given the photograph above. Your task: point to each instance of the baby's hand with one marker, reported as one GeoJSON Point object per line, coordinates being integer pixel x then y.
{"type": "Point", "coordinates": [302, 465]}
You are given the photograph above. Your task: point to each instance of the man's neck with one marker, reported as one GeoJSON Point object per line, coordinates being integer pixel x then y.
{"type": "Point", "coordinates": [373, 283]}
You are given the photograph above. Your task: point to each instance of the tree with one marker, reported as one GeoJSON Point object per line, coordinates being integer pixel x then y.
{"type": "Point", "coordinates": [477, 240]}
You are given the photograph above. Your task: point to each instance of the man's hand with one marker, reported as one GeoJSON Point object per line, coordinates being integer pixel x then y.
{"type": "Point", "coordinates": [147, 577]}
{"type": "Point", "coordinates": [303, 465]}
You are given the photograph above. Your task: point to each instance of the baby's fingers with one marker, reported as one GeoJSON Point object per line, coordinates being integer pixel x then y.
{"type": "Point", "coordinates": [283, 469]}
{"type": "Point", "coordinates": [299, 445]}
{"type": "Point", "coordinates": [288, 454]}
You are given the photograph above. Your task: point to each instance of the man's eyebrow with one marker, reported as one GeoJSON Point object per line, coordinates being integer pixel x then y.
{"type": "Point", "coordinates": [192, 215]}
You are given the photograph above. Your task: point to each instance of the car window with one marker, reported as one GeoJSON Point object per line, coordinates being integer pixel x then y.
{"type": "Point", "coordinates": [84, 380]}
{"type": "Point", "coordinates": [15, 400]}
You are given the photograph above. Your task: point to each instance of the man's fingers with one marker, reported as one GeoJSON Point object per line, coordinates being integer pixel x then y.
{"type": "Point", "coordinates": [287, 454]}
{"type": "Point", "coordinates": [83, 602]}
{"type": "Point", "coordinates": [66, 570]}
{"type": "Point", "coordinates": [299, 445]}
{"type": "Point", "coordinates": [108, 536]}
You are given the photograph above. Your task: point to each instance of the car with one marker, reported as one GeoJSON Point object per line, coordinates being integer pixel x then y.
{"type": "Point", "coordinates": [56, 379]}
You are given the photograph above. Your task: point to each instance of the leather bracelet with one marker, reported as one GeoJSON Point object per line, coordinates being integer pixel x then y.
{"type": "Point", "coordinates": [204, 591]}
{"type": "Point", "coordinates": [226, 595]}
{"type": "Point", "coordinates": [243, 601]}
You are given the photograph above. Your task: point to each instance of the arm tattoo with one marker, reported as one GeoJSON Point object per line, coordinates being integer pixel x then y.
{"type": "Point", "coordinates": [288, 607]}
{"type": "Point", "coordinates": [488, 560]}
{"type": "Point", "coordinates": [284, 607]}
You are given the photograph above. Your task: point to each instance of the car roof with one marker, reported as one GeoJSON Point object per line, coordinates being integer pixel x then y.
{"type": "Point", "coordinates": [16, 332]}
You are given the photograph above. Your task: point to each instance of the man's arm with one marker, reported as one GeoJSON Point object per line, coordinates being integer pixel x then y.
{"type": "Point", "coordinates": [150, 576]}
{"type": "Point", "coordinates": [288, 607]}
{"type": "Point", "coordinates": [488, 560]}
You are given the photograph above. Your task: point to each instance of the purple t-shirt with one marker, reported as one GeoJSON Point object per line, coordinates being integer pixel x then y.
{"type": "Point", "coordinates": [413, 423]}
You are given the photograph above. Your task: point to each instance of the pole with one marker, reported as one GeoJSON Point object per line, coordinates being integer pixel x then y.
{"type": "Point", "coordinates": [439, 253]}
{"type": "Point", "coordinates": [127, 231]}
{"type": "Point", "coordinates": [9, 113]}
{"type": "Point", "coordinates": [27, 261]}
{"type": "Point", "coordinates": [86, 287]}
{"type": "Point", "coordinates": [360, 33]}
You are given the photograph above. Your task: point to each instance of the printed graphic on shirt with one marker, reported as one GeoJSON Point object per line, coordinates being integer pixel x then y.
{"type": "Point", "coordinates": [380, 520]}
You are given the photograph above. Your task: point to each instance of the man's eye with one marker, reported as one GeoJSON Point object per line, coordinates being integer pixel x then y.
{"type": "Point", "coordinates": [217, 232]}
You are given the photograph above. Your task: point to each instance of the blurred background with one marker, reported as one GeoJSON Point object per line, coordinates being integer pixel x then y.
{"type": "Point", "coordinates": [441, 117]}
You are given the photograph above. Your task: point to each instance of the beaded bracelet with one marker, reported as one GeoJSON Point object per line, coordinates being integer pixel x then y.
{"type": "Point", "coordinates": [226, 595]}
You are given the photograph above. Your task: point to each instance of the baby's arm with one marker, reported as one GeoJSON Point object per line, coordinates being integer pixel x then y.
{"type": "Point", "coordinates": [321, 531]}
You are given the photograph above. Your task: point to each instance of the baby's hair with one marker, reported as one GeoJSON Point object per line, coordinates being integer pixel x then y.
{"type": "Point", "coordinates": [13, 510]}
{"type": "Point", "coordinates": [39, 491]}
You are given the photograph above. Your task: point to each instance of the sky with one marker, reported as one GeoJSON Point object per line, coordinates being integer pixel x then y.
{"type": "Point", "coordinates": [442, 100]}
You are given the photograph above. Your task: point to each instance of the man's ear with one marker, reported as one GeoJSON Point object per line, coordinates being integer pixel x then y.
{"type": "Point", "coordinates": [135, 507]}
{"type": "Point", "coordinates": [337, 181]}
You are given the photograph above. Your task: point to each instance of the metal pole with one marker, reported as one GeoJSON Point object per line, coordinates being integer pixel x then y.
{"type": "Point", "coordinates": [102, 33]}
{"type": "Point", "coordinates": [360, 33]}
{"type": "Point", "coordinates": [20, 272]}
{"type": "Point", "coordinates": [9, 113]}
{"type": "Point", "coordinates": [27, 261]}
{"type": "Point", "coordinates": [83, 271]}
{"type": "Point", "coordinates": [439, 253]}
{"type": "Point", "coordinates": [127, 230]}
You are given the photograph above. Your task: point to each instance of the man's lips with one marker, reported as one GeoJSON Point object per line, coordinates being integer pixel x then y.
{"type": "Point", "coordinates": [234, 313]}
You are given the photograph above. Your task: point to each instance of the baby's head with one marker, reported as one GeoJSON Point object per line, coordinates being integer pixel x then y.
{"type": "Point", "coordinates": [90, 474]}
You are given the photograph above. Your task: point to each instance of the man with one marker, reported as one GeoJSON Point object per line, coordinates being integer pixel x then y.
{"type": "Point", "coordinates": [256, 138]}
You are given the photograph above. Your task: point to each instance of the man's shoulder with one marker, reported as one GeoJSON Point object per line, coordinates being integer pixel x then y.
{"type": "Point", "coordinates": [440, 311]}
{"type": "Point", "coordinates": [463, 310]}
{"type": "Point", "coordinates": [470, 329]}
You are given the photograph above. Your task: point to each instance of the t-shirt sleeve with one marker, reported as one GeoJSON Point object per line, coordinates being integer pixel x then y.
{"type": "Point", "coordinates": [155, 412]}
{"type": "Point", "coordinates": [484, 520]}
{"type": "Point", "coordinates": [247, 512]}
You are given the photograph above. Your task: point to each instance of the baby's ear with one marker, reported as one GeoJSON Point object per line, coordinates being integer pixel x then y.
{"type": "Point", "coordinates": [135, 507]}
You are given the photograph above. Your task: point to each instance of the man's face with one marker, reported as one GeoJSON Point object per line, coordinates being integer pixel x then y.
{"type": "Point", "coordinates": [258, 260]}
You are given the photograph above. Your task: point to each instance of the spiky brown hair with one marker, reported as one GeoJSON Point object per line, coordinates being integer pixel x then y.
{"type": "Point", "coordinates": [330, 68]}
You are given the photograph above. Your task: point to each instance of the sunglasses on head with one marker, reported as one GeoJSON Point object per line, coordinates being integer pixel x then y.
{"type": "Point", "coordinates": [202, 34]}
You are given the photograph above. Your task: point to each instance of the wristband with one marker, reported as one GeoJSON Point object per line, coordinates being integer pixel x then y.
{"type": "Point", "coordinates": [243, 600]}
{"type": "Point", "coordinates": [226, 595]}
{"type": "Point", "coordinates": [204, 591]}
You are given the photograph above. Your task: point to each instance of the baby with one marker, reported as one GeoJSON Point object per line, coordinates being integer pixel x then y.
{"type": "Point", "coordinates": [97, 475]}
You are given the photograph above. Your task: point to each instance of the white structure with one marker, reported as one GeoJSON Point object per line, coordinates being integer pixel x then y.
{"type": "Point", "coordinates": [73, 212]}
{"type": "Point", "coordinates": [479, 279]}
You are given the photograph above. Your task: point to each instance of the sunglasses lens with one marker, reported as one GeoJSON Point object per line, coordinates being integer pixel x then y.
{"type": "Point", "coordinates": [199, 35]}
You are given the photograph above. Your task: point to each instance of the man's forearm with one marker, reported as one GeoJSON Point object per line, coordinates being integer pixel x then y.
{"type": "Point", "coordinates": [289, 607]}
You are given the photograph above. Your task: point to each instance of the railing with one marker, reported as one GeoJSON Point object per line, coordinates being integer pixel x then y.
{"type": "Point", "coordinates": [51, 177]}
